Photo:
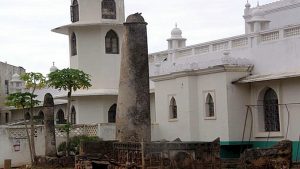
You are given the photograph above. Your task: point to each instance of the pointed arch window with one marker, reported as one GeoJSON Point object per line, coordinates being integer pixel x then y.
{"type": "Point", "coordinates": [60, 117]}
{"type": "Point", "coordinates": [74, 11]}
{"type": "Point", "coordinates": [73, 44]}
{"type": "Point", "coordinates": [112, 113]}
{"type": "Point", "coordinates": [108, 9]}
{"type": "Point", "coordinates": [73, 115]}
{"type": "Point", "coordinates": [41, 117]}
{"type": "Point", "coordinates": [27, 116]}
{"type": "Point", "coordinates": [271, 111]}
{"type": "Point", "coordinates": [173, 109]}
{"type": "Point", "coordinates": [209, 106]}
{"type": "Point", "coordinates": [111, 42]}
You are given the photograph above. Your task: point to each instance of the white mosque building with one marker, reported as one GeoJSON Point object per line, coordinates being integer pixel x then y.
{"type": "Point", "coordinates": [244, 89]}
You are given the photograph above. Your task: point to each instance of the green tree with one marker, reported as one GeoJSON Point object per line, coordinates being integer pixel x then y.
{"type": "Point", "coordinates": [33, 81]}
{"type": "Point", "coordinates": [69, 80]}
{"type": "Point", "coordinates": [23, 101]}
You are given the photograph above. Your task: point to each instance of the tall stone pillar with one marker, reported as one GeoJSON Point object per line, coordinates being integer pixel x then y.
{"type": "Point", "coordinates": [133, 110]}
{"type": "Point", "coordinates": [50, 141]}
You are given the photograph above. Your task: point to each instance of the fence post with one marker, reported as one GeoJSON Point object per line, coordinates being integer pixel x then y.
{"type": "Point", "coordinates": [7, 164]}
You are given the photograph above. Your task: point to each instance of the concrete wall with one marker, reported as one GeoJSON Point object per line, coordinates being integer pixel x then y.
{"type": "Point", "coordinates": [92, 59]}
{"type": "Point", "coordinates": [23, 156]}
{"type": "Point", "coordinates": [90, 11]}
{"type": "Point", "coordinates": [94, 109]}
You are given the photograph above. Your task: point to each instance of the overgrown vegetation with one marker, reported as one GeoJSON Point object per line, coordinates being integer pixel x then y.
{"type": "Point", "coordinates": [69, 80]}
{"type": "Point", "coordinates": [75, 143]}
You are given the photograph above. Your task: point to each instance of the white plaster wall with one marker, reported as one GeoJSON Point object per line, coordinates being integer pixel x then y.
{"type": "Point", "coordinates": [94, 109]}
{"type": "Point", "coordinates": [288, 91]}
{"type": "Point", "coordinates": [283, 54]}
{"type": "Point", "coordinates": [152, 108]}
{"type": "Point", "coordinates": [291, 17]}
{"type": "Point", "coordinates": [22, 157]}
{"type": "Point", "coordinates": [164, 91]}
{"type": "Point", "coordinates": [212, 129]}
{"type": "Point", "coordinates": [90, 11]}
{"type": "Point", "coordinates": [92, 59]}
{"type": "Point", "coordinates": [238, 96]}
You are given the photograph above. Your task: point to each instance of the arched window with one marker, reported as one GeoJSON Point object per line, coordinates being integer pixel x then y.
{"type": "Point", "coordinates": [6, 117]}
{"type": "Point", "coordinates": [111, 42]}
{"type": "Point", "coordinates": [41, 117]}
{"type": "Point", "coordinates": [112, 113]}
{"type": "Point", "coordinates": [73, 44]}
{"type": "Point", "coordinates": [173, 109]}
{"type": "Point", "coordinates": [60, 117]}
{"type": "Point", "coordinates": [108, 9]}
{"type": "Point", "coordinates": [209, 106]}
{"type": "Point", "coordinates": [74, 11]}
{"type": "Point", "coordinates": [73, 115]}
{"type": "Point", "coordinates": [271, 111]}
{"type": "Point", "coordinates": [27, 116]}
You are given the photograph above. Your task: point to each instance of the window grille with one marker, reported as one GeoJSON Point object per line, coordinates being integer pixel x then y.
{"type": "Point", "coordinates": [173, 109]}
{"type": "Point", "coordinates": [202, 49]}
{"type": "Point", "coordinates": [74, 11]}
{"type": "Point", "coordinates": [73, 115]}
{"type": "Point", "coordinates": [271, 111]}
{"type": "Point", "coordinates": [27, 116]}
{"type": "Point", "coordinates": [239, 42]}
{"type": "Point", "coordinates": [292, 32]}
{"type": "Point", "coordinates": [112, 113]}
{"type": "Point", "coordinates": [6, 82]}
{"type": "Point", "coordinates": [73, 44]}
{"type": "Point", "coordinates": [270, 36]}
{"type": "Point", "coordinates": [220, 46]}
{"type": "Point", "coordinates": [111, 42]}
{"type": "Point", "coordinates": [210, 106]}
{"type": "Point", "coordinates": [108, 9]}
{"type": "Point", "coordinates": [60, 117]}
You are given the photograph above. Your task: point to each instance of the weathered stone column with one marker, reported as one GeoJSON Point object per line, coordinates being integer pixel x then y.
{"type": "Point", "coordinates": [50, 141]}
{"type": "Point", "coordinates": [133, 110]}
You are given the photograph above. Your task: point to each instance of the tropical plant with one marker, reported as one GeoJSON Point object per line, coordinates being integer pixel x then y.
{"type": "Point", "coordinates": [33, 81]}
{"type": "Point", "coordinates": [23, 101]}
{"type": "Point", "coordinates": [69, 80]}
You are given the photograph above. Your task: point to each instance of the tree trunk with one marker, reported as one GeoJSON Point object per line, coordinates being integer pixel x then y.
{"type": "Point", "coordinates": [28, 138]}
{"type": "Point", "coordinates": [68, 122]}
{"type": "Point", "coordinates": [32, 134]}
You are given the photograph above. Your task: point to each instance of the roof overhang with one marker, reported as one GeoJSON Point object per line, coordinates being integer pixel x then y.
{"type": "Point", "coordinates": [93, 92]}
{"type": "Point", "coordinates": [66, 28]}
{"type": "Point", "coordinates": [209, 70]}
{"type": "Point", "coordinates": [268, 77]}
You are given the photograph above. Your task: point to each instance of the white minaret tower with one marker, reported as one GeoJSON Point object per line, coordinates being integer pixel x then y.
{"type": "Point", "coordinates": [176, 40]}
{"type": "Point", "coordinates": [95, 37]}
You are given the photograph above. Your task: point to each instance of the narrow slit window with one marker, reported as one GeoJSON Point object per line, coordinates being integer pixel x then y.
{"type": "Point", "coordinates": [173, 109]}
{"type": "Point", "coordinates": [73, 44]}
{"type": "Point", "coordinates": [210, 106]}
{"type": "Point", "coordinates": [74, 11]}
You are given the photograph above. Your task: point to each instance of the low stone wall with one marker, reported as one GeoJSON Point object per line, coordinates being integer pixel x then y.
{"type": "Point", "coordinates": [276, 157]}
{"type": "Point", "coordinates": [196, 155]}
{"type": "Point", "coordinates": [55, 162]}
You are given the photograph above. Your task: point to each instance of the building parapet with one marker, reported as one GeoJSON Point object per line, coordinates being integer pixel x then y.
{"type": "Point", "coordinates": [218, 52]}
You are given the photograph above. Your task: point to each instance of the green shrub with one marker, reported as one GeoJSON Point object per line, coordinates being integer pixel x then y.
{"type": "Point", "coordinates": [75, 143]}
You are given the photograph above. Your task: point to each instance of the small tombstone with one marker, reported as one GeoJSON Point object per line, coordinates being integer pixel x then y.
{"type": "Point", "coordinates": [50, 141]}
{"type": "Point", "coordinates": [7, 164]}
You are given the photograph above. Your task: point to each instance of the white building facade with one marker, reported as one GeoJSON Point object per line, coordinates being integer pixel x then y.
{"type": "Point", "coordinates": [243, 89]}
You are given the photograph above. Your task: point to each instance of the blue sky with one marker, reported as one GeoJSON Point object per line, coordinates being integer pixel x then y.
{"type": "Point", "coordinates": [26, 39]}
